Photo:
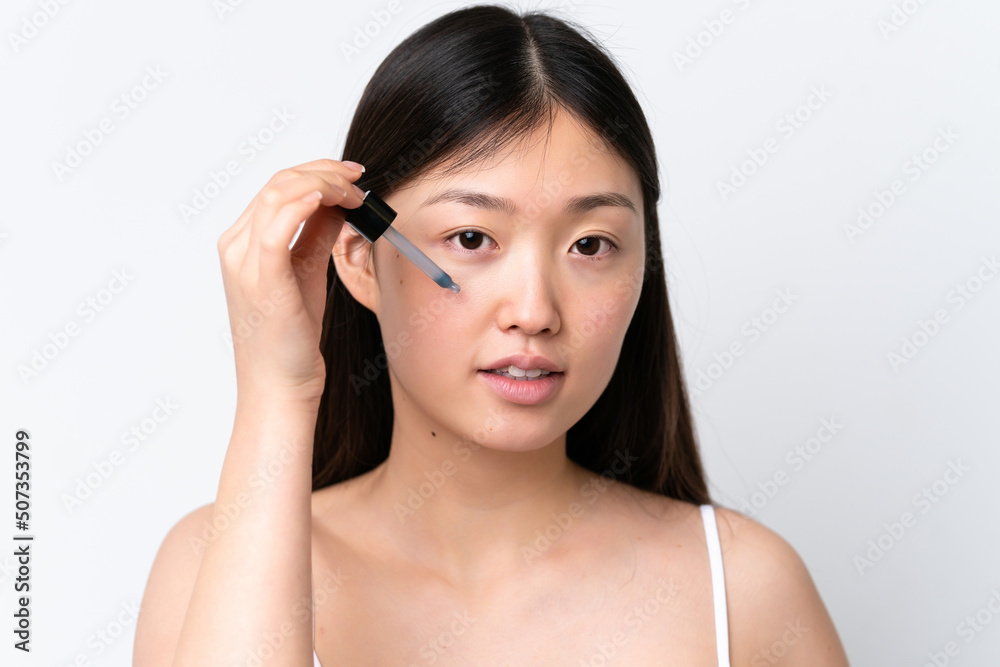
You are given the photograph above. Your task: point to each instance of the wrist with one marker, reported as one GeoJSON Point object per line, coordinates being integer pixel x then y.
{"type": "Point", "coordinates": [298, 400]}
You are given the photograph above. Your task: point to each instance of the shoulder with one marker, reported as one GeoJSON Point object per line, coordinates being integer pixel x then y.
{"type": "Point", "coordinates": [774, 607]}
{"type": "Point", "coordinates": [169, 586]}
{"type": "Point", "coordinates": [179, 555]}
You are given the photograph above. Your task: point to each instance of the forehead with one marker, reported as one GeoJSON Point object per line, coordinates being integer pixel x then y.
{"type": "Point", "coordinates": [564, 163]}
{"type": "Point", "coordinates": [564, 138]}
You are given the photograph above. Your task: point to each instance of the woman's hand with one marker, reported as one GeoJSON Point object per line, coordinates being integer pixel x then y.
{"type": "Point", "coordinates": [276, 295]}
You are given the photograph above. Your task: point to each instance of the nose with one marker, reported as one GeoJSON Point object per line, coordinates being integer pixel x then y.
{"type": "Point", "coordinates": [528, 297]}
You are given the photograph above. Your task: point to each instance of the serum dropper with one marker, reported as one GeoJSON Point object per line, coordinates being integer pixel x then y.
{"type": "Point", "coordinates": [374, 219]}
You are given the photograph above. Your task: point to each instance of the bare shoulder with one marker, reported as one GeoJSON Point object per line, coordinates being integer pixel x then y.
{"type": "Point", "coordinates": [174, 573]}
{"type": "Point", "coordinates": [773, 605]}
{"type": "Point", "coordinates": [169, 586]}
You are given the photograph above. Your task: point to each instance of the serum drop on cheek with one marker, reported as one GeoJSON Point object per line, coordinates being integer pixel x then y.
{"type": "Point", "coordinates": [373, 219]}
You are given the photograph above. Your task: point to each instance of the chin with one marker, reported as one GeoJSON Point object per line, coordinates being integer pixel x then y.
{"type": "Point", "coordinates": [510, 439]}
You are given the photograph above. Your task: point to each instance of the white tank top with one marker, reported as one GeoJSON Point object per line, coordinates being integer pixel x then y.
{"type": "Point", "coordinates": [718, 589]}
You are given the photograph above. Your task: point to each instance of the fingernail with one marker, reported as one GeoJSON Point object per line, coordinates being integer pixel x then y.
{"type": "Point", "coordinates": [354, 165]}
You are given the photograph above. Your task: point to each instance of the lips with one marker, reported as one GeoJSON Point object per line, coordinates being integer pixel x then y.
{"type": "Point", "coordinates": [526, 362]}
{"type": "Point", "coordinates": [523, 391]}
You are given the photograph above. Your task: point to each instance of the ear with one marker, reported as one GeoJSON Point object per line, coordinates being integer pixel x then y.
{"type": "Point", "coordinates": [352, 257]}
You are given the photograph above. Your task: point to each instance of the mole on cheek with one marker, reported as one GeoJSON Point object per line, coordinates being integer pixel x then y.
{"type": "Point", "coordinates": [434, 434]}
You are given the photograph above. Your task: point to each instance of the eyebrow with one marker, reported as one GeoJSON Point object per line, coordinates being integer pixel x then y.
{"type": "Point", "coordinates": [486, 201]}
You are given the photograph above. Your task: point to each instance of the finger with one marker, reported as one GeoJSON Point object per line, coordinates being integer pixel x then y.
{"type": "Point", "coordinates": [272, 255]}
{"type": "Point", "coordinates": [335, 190]}
{"type": "Point", "coordinates": [328, 171]}
{"type": "Point", "coordinates": [346, 167]}
{"type": "Point", "coordinates": [324, 165]}
{"type": "Point", "coordinates": [319, 234]}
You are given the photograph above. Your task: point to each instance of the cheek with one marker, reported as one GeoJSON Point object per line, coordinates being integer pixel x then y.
{"type": "Point", "coordinates": [600, 330]}
{"type": "Point", "coordinates": [420, 321]}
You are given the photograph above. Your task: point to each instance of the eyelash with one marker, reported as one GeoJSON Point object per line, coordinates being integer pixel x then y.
{"type": "Point", "coordinates": [614, 246]}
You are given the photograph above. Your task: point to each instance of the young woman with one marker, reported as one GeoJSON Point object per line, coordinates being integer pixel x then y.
{"type": "Point", "coordinates": [503, 476]}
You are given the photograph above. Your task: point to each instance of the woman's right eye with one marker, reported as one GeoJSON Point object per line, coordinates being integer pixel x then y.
{"type": "Point", "coordinates": [469, 239]}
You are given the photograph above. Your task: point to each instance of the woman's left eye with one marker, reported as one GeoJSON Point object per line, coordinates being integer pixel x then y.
{"type": "Point", "coordinates": [590, 245]}
{"type": "Point", "coordinates": [469, 236]}
{"type": "Point", "coordinates": [595, 243]}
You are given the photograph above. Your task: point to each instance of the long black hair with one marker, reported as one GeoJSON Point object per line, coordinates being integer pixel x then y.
{"type": "Point", "coordinates": [461, 89]}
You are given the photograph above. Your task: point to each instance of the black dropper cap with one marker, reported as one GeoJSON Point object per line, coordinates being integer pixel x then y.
{"type": "Point", "coordinates": [372, 218]}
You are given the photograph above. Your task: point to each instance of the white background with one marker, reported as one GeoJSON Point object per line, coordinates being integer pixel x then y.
{"type": "Point", "coordinates": [856, 297]}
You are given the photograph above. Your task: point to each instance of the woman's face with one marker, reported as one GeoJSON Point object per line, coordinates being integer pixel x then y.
{"type": "Point", "coordinates": [536, 278]}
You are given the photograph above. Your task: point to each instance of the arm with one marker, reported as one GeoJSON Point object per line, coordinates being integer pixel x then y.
{"type": "Point", "coordinates": [235, 574]}
{"type": "Point", "coordinates": [776, 613]}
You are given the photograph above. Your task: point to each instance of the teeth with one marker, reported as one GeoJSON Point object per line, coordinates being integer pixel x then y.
{"type": "Point", "coordinates": [520, 373]}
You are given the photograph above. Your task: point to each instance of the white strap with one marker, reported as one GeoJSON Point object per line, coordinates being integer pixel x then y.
{"type": "Point", "coordinates": [718, 584]}
{"type": "Point", "coordinates": [312, 602]}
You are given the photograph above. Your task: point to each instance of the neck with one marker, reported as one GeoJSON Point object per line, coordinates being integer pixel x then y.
{"type": "Point", "coordinates": [468, 512]}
